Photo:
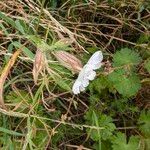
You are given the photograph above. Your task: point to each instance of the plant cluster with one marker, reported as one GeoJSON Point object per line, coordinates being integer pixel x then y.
{"type": "Point", "coordinates": [43, 46]}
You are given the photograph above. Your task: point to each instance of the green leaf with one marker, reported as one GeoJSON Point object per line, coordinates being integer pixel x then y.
{"type": "Point", "coordinates": [40, 139]}
{"type": "Point", "coordinates": [60, 45]}
{"type": "Point", "coordinates": [97, 135]}
{"type": "Point", "coordinates": [147, 143]}
{"type": "Point", "coordinates": [126, 57]}
{"type": "Point", "coordinates": [26, 51]}
{"type": "Point", "coordinates": [123, 106]}
{"type": "Point", "coordinates": [144, 122]}
{"type": "Point", "coordinates": [40, 43]}
{"type": "Point", "coordinates": [105, 145]}
{"type": "Point", "coordinates": [120, 142]}
{"type": "Point", "coordinates": [63, 84]}
{"type": "Point", "coordinates": [15, 24]}
{"type": "Point", "coordinates": [99, 84]}
{"type": "Point", "coordinates": [125, 81]}
{"type": "Point", "coordinates": [147, 65]}
{"type": "Point", "coordinates": [10, 132]}
{"type": "Point", "coordinates": [53, 4]}
{"type": "Point", "coordinates": [144, 38]}
{"type": "Point", "coordinates": [4, 29]}
{"type": "Point", "coordinates": [99, 120]}
{"type": "Point", "coordinates": [19, 26]}
{"type": "Point", "coordinates": [17, 97]}
{"type": "Point", "coordinates": [7, 19]}
{"type": "Point", "coordinates": [126, 84]}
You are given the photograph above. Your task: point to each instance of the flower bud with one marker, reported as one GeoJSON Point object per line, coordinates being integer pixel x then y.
{"type": "Point", "coordinates": [69, 61]}
{"type": "Point", "coordinates": [38, 64]}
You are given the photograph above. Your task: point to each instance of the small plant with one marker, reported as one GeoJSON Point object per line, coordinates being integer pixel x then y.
{"type": "Point", "coordinates": [124, 77]}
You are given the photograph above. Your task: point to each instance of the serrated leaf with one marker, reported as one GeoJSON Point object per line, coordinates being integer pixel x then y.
{"type": "Point", "coordinates": [126, 57]}
{"type": "Point", "coordinates": [105, 145]}
{"type": "Point", "coordinates": [120, 142]}
{"type": "Point", "coordinates": [100, 120]}
{"type": "Point", "coordinates": [144, 122]}
{"type": "Point", "coordinates": [147, 65]}
{"type": "Point", "coordinates": [126, 84]}
{"type": "Point", "coordinates": [100, 86]}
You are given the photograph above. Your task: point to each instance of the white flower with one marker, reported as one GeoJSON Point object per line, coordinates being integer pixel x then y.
{"type": "Point", "coordinates": [88, 72]}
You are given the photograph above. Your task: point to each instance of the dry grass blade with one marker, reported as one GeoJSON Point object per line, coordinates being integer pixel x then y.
{"type": "Point", "coordinates": [5, 74]}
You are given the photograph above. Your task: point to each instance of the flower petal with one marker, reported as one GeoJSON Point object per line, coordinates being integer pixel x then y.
{"type": "Point", "coordinates": [82, 88]}
{"type": "Point", "coordinates": [87, 73]}
{"type": "Point", "coordinates": [91, 75]}
{"type": "Point", "coordinates": [85, 82]}
{"type": "Point", "coordinates": [76, 87]}
{"type": "Point", "coordinates": [95, 60]}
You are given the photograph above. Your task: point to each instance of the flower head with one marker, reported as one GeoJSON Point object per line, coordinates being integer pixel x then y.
{"type": "Point", "coordinates": [88, 72]}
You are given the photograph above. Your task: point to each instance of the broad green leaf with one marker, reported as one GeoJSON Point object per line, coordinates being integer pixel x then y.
{"type": "Point", "coordinates": [144, 122]}
{"type": "Point", "coordinates": [120, 142]}
{"type": "Point", "coordinates": [99, 85]}
{"type": "Point", "coordinates": [126, 84]}
{"type": "Point", "coordinates": [99, 120]}
{"type": "Point", "coordinates": [126, 57]}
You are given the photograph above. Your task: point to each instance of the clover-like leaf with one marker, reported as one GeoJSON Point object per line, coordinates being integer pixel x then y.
{"type": "Point", "coordinates": [100, 120]}
{"type": "Point", "coordinates": [126, 84]}
{"type": "Point", "coordinates": [120, 142]}
{"type": "Point", "coordinates": [126, 57]}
